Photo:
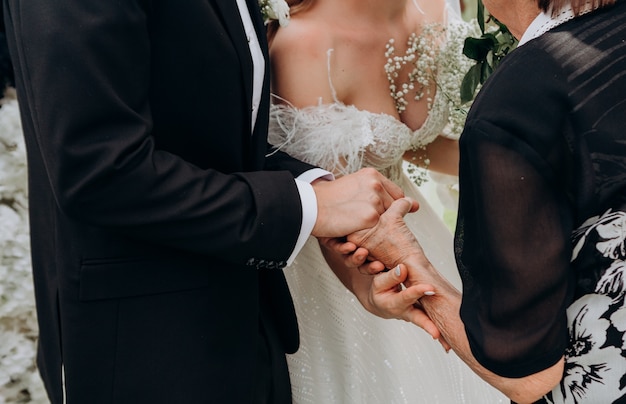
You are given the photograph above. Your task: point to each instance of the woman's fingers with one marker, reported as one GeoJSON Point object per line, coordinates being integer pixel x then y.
{"type": "Point", "coordinates": [338, 245]}
{"type": "Point", "coordinates": [395, 277]}
{"type": "Point", "coordinates": [391, 299]}
{"type": "Point", "coordinates": [371, 267]}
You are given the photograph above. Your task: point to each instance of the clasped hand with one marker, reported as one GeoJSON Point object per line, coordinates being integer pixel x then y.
{"type": "Point", "coordinates": [360, 261]}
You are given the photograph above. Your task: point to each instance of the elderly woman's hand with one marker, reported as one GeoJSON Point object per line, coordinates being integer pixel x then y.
{"type": "Point", "coordinates": [390, 241]}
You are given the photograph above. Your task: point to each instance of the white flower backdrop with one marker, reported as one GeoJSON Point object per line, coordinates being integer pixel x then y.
{"type": "Point", "coordinates": [19, 379]}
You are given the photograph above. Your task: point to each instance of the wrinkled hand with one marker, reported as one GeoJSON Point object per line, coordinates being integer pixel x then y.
{"type": "Point", "coordinates": [390, 241]}
{"type": "Point", "coordinates": [353, 202]}
{"type": "Point", "coordinates": [388, 299]}
{"type": "Point", "coordinates": [382, 295]}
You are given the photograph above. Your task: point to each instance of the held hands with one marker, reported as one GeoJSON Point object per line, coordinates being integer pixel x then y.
{"type": "Point", "coordinates": [416, 292]}
{"type": "Point", "coordinates": [389, 296]}
{"type": "Point", "coordinates": [390, 240]}
{"type": "Point", "coordinates": [384, 294]}
{"type": "Point", "coordinates": [353, 202]}
{"type": "Point", "coordinates": [387, 244]}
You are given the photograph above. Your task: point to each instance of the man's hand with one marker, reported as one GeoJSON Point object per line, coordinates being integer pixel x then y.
{"type": "Point", "coordinates": [353, 202]}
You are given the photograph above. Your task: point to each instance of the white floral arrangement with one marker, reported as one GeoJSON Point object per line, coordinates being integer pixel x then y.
{"type": "Point", "coordinates": [445, 66]}
{"type": "Point", "coordinates": [275, 10]}
{"type": "Point", "coordinates": [438, 59]}
{"type": "Point", "coordinates": [453, 65]}
{"type": "Point", "coordinates": [19, 379]}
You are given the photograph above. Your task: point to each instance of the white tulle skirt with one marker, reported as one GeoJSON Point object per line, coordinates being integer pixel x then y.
{"type": "Point", "coordinates": [348, 355]}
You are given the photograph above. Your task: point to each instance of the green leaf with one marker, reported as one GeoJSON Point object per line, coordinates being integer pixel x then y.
{"type": "Point", "coordinates": [488, 51]}
{"type": "Point", "coordinates": [470, 83]}
{"type": "Point", "coordinates": [477, 48]}
{"type": "Point", "coordinates": [501, 27]}
{"type": "Point", "coordinates": [492, 36]}
{"type": "Point", "coordinates": [480, 16]}
{"type": "Point", "coordinates": [485, 72]}
{"type": "Point", "coordinates": [507, 42]}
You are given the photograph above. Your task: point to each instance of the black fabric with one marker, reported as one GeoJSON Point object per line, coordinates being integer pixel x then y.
{"type": "Point", "coordinates": [6, 68]}
{"type": "Point", "coordinates": [263, 383]}
{"type": "Point", "coordinates": [148, 195]}
{"type": "Point", "coordinates": [544, 149]}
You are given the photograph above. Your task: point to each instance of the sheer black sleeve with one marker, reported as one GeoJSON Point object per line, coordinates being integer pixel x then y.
{"type": "Point", "coordinates": [512, 239]}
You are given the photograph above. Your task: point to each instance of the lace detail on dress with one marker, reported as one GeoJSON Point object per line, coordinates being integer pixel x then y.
{"type": "Point", "coordinates": [340, 138]}
{"type": "Point", "coordinates": [343, 139]}
{"type": "Point", "coordinates": [327, 134]}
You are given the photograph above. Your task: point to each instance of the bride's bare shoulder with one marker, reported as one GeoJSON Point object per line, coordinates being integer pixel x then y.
{"type": "Point", "coordinates": [299, 57]}
{"type": "Point", "coordinates": [303, 37]}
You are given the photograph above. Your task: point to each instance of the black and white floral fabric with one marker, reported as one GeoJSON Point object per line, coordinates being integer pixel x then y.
{"type": "Point", "coordinates": [597, 319]}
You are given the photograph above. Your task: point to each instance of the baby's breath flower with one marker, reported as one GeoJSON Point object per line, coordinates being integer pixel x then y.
{"type": "Point", "coordinates": [437, 60]}
{"type": "Point", "coordinates": [442, 65]}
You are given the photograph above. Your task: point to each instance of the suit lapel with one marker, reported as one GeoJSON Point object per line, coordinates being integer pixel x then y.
{"type": "Point", "coordinates": [231, 20]}
{"type": "Point", "coordinates": [261, 33]}
{"type": "Point", "coordinates": [255, 146]}
{"type": "Point", "coordinates": [259, 25]}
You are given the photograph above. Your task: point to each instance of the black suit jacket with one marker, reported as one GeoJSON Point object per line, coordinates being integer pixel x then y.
{"type": "Point", "coordinates": [158, 225]}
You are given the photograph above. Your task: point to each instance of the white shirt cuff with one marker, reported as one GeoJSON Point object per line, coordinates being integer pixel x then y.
{"type": "Point", "coordinates": [309, 206]}
{"type": "Point", "coordinates": [315, 173]}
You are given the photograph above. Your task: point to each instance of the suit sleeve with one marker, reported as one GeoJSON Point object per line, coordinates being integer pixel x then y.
{"type": "Point", "coordinates": [84, 83]}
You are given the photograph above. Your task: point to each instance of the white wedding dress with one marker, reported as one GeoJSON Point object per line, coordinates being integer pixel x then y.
{"type": "Point", "coordinates": [348, 355]}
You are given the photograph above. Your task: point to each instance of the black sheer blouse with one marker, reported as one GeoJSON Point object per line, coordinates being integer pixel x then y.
{"type": "Point", "coordinates": [543, 153]}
